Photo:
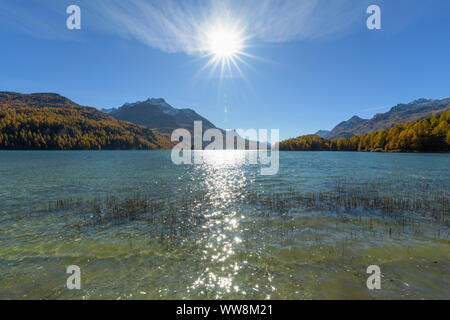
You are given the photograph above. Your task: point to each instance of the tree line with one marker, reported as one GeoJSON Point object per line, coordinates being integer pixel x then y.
{"type": "Point", "coordinates": [50, 128]}
{"type": "Point", "coordinates": [53, 128]}
{"type": "Point", "coordinates": [429, 135]}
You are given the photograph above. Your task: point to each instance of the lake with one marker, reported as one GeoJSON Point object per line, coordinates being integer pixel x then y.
{"type": "Point", "coordinates": [140, 227]}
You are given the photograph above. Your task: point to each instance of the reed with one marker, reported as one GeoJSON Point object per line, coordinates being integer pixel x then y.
{"type": "Point", "coordinates": [365, 205]}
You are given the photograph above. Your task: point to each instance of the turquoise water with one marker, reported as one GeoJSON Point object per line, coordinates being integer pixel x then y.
{"type": "Point", "coordinates": [220, 229]}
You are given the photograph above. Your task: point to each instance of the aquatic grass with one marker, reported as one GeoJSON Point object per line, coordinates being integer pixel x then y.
{"type": "Point", "coordinates": [367, 198]}
{"type": "Point", "coordinates": [365, 210]}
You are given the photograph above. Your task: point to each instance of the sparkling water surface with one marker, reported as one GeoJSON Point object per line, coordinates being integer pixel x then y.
{"type": "Point", "coordinates": [214, 234]}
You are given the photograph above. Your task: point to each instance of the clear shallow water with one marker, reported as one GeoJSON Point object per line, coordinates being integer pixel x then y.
{"type": "Point", "coordinates": [225, 245]}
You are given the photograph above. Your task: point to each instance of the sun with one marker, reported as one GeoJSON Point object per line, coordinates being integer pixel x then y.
{"type": "Point", "coordinates": [224, 44]}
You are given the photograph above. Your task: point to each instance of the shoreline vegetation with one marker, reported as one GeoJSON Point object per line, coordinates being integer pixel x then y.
{"type": "Point", "coordinates": [184, 217]}
{"type": "Point", "coordinates": [52, 122]}
{"type": "Point", "coordinates": [166, 238]}
{"type": "Point", "coordinates": [429, 135]}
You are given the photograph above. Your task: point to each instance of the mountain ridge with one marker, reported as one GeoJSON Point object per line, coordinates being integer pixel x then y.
{"type": "Point", "coordinates": [401, 113]}
{"type": "Point", "coordinates": [50, 121]}
{"type": "Point", "coordinates": [158, 115]}
{"type": "Point", "coordinates": [47, 121]}
{"type": "Point", "coordinates": [431, 134]}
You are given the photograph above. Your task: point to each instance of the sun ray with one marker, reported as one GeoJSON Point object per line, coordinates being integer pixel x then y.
{"type": "Point", "coordinates": [222, 45]}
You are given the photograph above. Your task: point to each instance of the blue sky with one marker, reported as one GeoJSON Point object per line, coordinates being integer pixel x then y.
{"type": "Point", "coordinates": [308, 64]}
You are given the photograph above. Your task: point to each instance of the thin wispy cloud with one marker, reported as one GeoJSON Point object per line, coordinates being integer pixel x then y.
{"type": "Point", "coordinates": [178, 26]}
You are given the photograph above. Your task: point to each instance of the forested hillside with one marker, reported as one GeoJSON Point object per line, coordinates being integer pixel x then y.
{"type": "Point", "coordinates": [402, 113]}
{"type": "Point", "coordinates": [51, 122]}
{"type": "Point", "coordinates": [429, 135]}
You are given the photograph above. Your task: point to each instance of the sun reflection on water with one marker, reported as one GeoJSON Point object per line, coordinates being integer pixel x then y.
{"type": "Point", "coordinates": [225, 178]}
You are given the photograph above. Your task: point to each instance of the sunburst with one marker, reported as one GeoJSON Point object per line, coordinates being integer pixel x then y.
{"type": "Point", "coordinates": [224, 46]}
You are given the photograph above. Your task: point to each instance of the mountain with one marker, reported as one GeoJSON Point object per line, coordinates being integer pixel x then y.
{"type": "Point", "coordinates": [48, 121]}
{"type": "Point", "coordinates": [158, 115]}
{"type": "Point", "coordinates": [35, 100]}
{"type": "Point", "coordinates": [322, 133]}
{"type": "Point", "coordinates": [401, 113]}
{"type": "Point", "coordinates": [345, 128]}
{"type": "Point", "coordinates": [431, 134]}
